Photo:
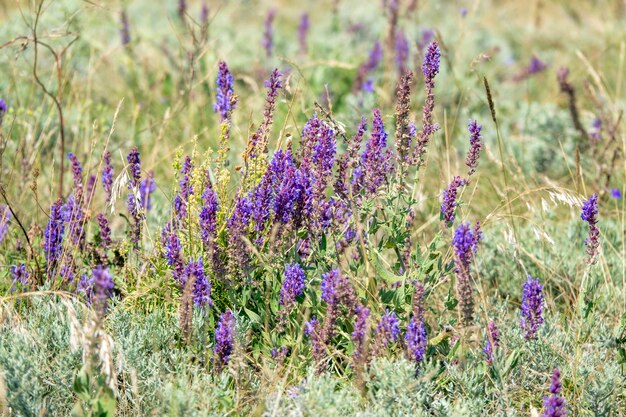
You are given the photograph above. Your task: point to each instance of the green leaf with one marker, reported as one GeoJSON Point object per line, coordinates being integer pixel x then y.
{"type": "Point", "coordinates": [254, 317]}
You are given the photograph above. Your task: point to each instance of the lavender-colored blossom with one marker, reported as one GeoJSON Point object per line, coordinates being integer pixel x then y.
{"type": "Point", "coordinates": [124, 29]}
{"type": "Point", "coordinates": [173, 253]}
{"type": "Point", "coordinates": [134, 166]}
{"type": "Point", "coordinates": [336, 289]}
{"type": "Point", "coordinates": [207, 216]}
{"type": "Point", "coordinates": [589, 214]}
{"type": "Point", "coordinates": [3, 110]}
{"type": "Point", "coordinates": [554, 405]}
{"type": "Point", "coordinates": [369, 66]}
{"type": "Point", "coordinates": [463, 11]}
{"type": "Point", "coordinates": [293, 284]}
{"type": "Point", "coordinates": [268, 33]}
{"type": "Point", "coordinates": [492, 341]}
{"type": "Point", "coordinates": [428, 35]}
{"type": "Point", "coordinates": [402, 52]}
{"type": "Point", "coordinates": [204, 15]}
{"type": "Point", "coordinates": [224, 340]}
{"type": "Point", "coordinates": [387, 331]}
{"type": "Point", "coordinates": [283, 174]}
{"type": "Point", "coordinates": [105, 231]}
{"type": "Point", "coordinates": [303, 31]}
{"type": "Point", "coordinates": [181, 201]}
{"type": "Point", "coordinates": [465, 243]}
{"type": "Point", "coordinates": [536, 65]}
{"type": "Point", "coordinates": [102, 288]}
{"type": "Point", "coordinates": [368, 85]}
{"type": "Point", "coordinates": [77, 175]}
{"type": "Point", "coordinates": [85, 287]}
{"type": "Point", "coordinates": [615, 194]}
{"type": "Point", "coordinates": [146, 188]}
{"type": "Point", "coordinates": [532, 307]}
{"type": "Point", "coordinates": [201, 284]}
{"type": "Point", "coordinates": [107, 176]}
{"type": "Point", "coordinates": [73, 215]}
{"type": "Point", "coordinates": [182, 8]}
{"type": "Point", "coordinates": [20, 275]}
{"type": "Point", "coordinates": [349, 160]}
{"type": "Point", "coordinates": [5, 219]}
{"type": "Point", "coordinates": [223, 96]}
{"type": "Point", "coordinates": [430, 66]}
{"type": "Point", "coordinates": [375, 161]}
{"type": "Point", "coordinates": [53, 237]}
{"type": "Point", "coordinates": [476, 145]}
{"type": "Point", "coordinates": [237, 226]}
{"type": "Point", "coordinates": [416, 340]}
{"type": "Point", "coordinates": [449, 204]}
{"type": "Point", "coordinates": [359, 336]}
{"type": "Point", "coordinates": [596, 130]}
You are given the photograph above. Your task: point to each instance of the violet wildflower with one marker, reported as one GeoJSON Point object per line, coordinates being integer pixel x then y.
{"type": "Point", "coordinates": [268, 33]}
{"type": "Point", "coordinates": [107, 176]}
{"type": "Point", "coordinates": [359, 338]}
{"type": "Point", "coordinates": [349, 160]}
{"type": "Point", "coordinates": [465, 244]}
{"type": "Point", "coordinates": [77, 174]}
{"type": "Point", "coordinates": [208, 216]}
{"type": "Point", "coordinates": [85, 287]}
{"type": "Point", "coordinates": [105, 231]}
{"type": "Point", "coordinates": [89, 190]}
{"type": "Point", "coordinates": [405, 129]}
{"type": "Point", "coordinates": [554, 405]}
{"type": "Point", "coordinates": [476, 145]}
{"type": "Point", "coordinates": [375, 161]}
{"type": "Point", "coordinates": [5, 219]}
{"type": "Point", "coordinates": [532, 307]}
{"type": "Point", "coordinates": [318, 345]}
{"type": "Point", "coordinates": [368, 85]}
{"type": "Point", "coordinates": [596, 130]}
{"type": "Point", "coordinates": [293, 285]}
{"type": "Point", "coordinates": [283, 172]}
{"type": "Point", "coordinates": [402, 52]}
{"type": "Point", "coordinates": [134, 166]}
{"type": "Point", "coordinates": [67, 272]}
{"type": "Point", "coordinates": [102, 288]}
{"type": "Point", "coordinates": [427, 37]}
{"type": "Point", "coordinates": [182, 8]}
{"type": "Point", "coordinates": [204, 15]}
{"type": "Point", "coordinates": [589, 214]}
{"type": "Point", "coordinates": [201, 284]}
{"type": "Point", "coordinates": [237, 226]}
{"type": "Point", "coordinates": [430, 68]}
{"type": "Point", "coordinates": [20, 275]}
{"type": "Point", "coordinates": [173, 254]}
{"type": "Point", "coordinates": [369, 66]}
{"type": "Point", "coordinates": [536, 65]}
{"type": "Point", "coordinates": [303, 31]}
{"type": "Point", "coordinates": [73, 215]}
{"type": "Point", "coordinates": [416, 339]}
{"type": "Point", "coordinates": [124, 29]}
{"type": "Point", "coordinates": [3, 110]}
{"type": "Point", "coordinates": [181, 201]}
{"type": "Point", "coordinates": [146, 188]}
{"type": "Point", "coordinates": [387, 331]}
{"type": "Point", "coordinates": [449, 204]}
{"type": "Point", "coordinates": [224, 340]}
{"type": "Point", "coordinates": [53, 237]}
{"type": "Point", "coordinates": [492, 341]}
{"type": "Point", "coordinates": [223, 96]}
{"type": "Point", "coordinates": [615, 194]}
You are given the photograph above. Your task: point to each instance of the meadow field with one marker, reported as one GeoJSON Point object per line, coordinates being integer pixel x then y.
{"type": "Point", "coordinates": [312, 208]}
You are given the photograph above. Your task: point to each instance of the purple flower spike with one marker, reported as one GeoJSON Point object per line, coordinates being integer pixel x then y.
{"type": "Point", "coordinates": [5, 219]}
{"type": "Point", "coordinates": [589, 214]}
{"type": "Point", "coordinates": [107, 176]}
{"type": "Point", "coordinates": [536, 65]}
{"type": "Point", "coordinates": [359, 336]}
{"type": "Point", "coordinates": [387, 331]}
{"type": "Point", "coordinates": [465, 243]}
{"type": "Point", "coordinates": [125, 28]}
{"type": "Point", "coordinates": [532, 307]}
{"type": "Point", "coordinates": [146, 188]}
{"type": "Point", "coordinates": [201, 284]}
{"type": "Point", "coordinates": [20, 274]}
{"type": "Point", "coordinates": [3, 110]}
{"type": "Point", "coordinates": [105, 231]}
{"type": "Point", "coordinates": [224, 340]}
{"type": "Point", "coordinates": [492, 342]}
{"type": "Point", "coordinates": [449, 203]}
{"type": "Point", "coordinates": [430, 67]}
{"type": "Point", "coordinates": [416, 340]}
{"type": "Point", "coordinates": [476, 145]}
{"type": "Point", "coordinates": [293, 285]}
{"type": "Point", "coordinates": [554, 405]}
{"type": "Point", "coordinates": [616, 193]}
{"type": "Point", "coordinates": [375, 161]}
{"type": "Point", "coordinates": [53, 237]}
{"type": "Point", "coordinates": [224, 92]}
{"type": "Point", "coordinates": [402, 52]}
{"type": "Point", "coordinates": [268, 34]}
{"type": "Point", "coordinates": [102, 288]}
{"type": "Point", "coordinates": [303, 31]}
{"type": "Point", "coordinates": [208, 219]}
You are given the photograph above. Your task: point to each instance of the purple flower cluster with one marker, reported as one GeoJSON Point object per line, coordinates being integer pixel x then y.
{"type": "Point", "coordinates": [416, 339]}
{"type": "Point", "coordinates": [146, 188]}
{"type": "Point", "coordinates": [268, 33]}
{"type": "Point", "coordinates": [476, 145]}
{"type": "Point", "coordinates": [53, 237]}
{"type": "Point", "coordinates": [402, 52]}
{"type": "Point", "coordinates": [359, 336]}
{"type": "Point", "coordinates": [532, 307]}
{"type": "Point", "coordinates": [5, 219]}
{"type": "Point", "coordinates": [207, 216]}
{"type": "Point", "coordinates": [303, 31]}
{"type": "Point", "coordinates": [173, 254]}
{"type": "Point", "coordinates": [492, 342]}
{"type": "Point", "coordinates": [536, 66]}
{"type": "Point", "coordinates": [201, 284]}
{"type": "Point", "coordinates": [107, 176]}
{"type": "Point", "coordinates": [224, 340]}
{"type": "Point", "coordinates": [554, 405]}
{"type": "Point", "coordinates": [375, 161]}
{"type": "Point", "coordinates": [105, 231]}
{"type": "Point", "coordinates": [223, 96]}
{"type": "Point", "coordinates": [134, 166]}
{"type": "Point", "coordinates": [20, 275]}
{"type": "Point", "coordinates": [448, 205]}
{"type": "Point", "coordinates": [293, 285]}
{"type": "Point", "coordinates": [387, 331]}
{"type": "Point", "coordinates": [181, 201]}
{"type": "Point", "coordinates": [368, 67]}
{"type": "Point", "coordinates": [465, 243]}
{"type": "Point", "coordinates": [430, 68]}
{"type": "Point", "coordinates": [3, 110]}
{"type": "Point", "coordinates": [124, 29]}
{"type": "Point", "coordinates": [589, 214]}
{"type": "Point", "coordinates": [596, 130]}
{"type": "Point", "coordinates": [102, 288]}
